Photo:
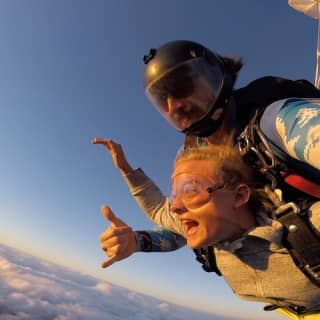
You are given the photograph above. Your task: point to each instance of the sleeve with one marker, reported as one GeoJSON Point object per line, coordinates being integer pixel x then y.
{"type": "Point", "coordinates": [294, 125]}
{"type": "Point", "coordinates": [152, 201]}
{"type": "Point", "coordinates": [160, 240]}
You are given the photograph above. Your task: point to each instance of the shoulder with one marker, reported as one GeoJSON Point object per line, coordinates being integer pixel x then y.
{"type": "Point", "coordinates": [268, 89]}
{"type": "Point", "coordinates": [284, 87]}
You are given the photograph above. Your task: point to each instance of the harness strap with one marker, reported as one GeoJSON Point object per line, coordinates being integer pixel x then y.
{"type": "Point", "coordinates": [303, 184]}
{"type": "Point", "coordinates": [302, 241]}
{"type": "Point", "coordinates": [207, 258]}
{"type": "Point", "coordinates": [299, 237]}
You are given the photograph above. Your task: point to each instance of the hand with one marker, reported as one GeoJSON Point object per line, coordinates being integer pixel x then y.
{"type": "Point", "coordinates": [118, 240]}
{"type": "Point", "coordinates": [118, 156]}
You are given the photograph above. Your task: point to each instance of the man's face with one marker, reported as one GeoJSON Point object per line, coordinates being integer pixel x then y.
{"type": "Point", "coordinates": [207, 218]}
{"type": "Point", "coordinates": [185, 92]}
{"type": "Point", "coordinates": [183, 111]}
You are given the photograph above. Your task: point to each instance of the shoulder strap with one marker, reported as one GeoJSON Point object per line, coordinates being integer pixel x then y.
{"type": "Point", "coordinates": [207, 258]}
{"type": "Point", "coordinates": [300, 238]}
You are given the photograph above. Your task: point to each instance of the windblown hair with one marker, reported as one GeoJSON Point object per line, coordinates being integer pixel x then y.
{"type": "Point", "coordinates": [232, 67]}
{"type": "Point", "coordinates": [230, 167]}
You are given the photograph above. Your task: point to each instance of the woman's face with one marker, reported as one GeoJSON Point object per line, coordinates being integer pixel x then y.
{"type": "Point", "coordinates": [209, 212]}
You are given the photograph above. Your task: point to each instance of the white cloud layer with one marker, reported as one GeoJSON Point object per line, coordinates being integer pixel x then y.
{"type": "Point", "coordinates": [35, 289]}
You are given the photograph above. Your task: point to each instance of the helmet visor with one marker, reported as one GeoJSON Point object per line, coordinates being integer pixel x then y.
{"type": "Point", "coordinates": [185, 94]}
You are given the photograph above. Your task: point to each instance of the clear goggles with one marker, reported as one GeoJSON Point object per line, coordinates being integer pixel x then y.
{"type": "Point", "coordinates": [185, 94]}
{"type": "Point", "coordinates": [193, 190]}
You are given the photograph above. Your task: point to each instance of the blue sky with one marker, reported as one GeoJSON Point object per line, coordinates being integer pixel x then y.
{"type": "Point", "coordinates": [71, 71]}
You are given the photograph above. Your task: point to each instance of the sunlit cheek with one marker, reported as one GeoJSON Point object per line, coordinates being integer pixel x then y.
{"type": "Point", "coordinates": [172, 105]}
{"type": "Point", "coordinates": [210, 224]}
{"type": "Point", "coordinates": [212, 227]}
{"type": "Point", "coordinates": [200, 205]}
{"type": "Point", "coordinates": [165, 108]}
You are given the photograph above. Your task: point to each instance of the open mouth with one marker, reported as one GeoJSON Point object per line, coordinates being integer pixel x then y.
{"type": "Point", "coordinates": [190, 227]}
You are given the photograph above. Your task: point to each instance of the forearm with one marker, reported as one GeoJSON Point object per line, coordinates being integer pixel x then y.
{"type": "Point", "coordinates": [298, 129]}
{"type": "Point", "coordinates": [151, 200]}
{"type": "Point", "coordinates": [158, 241]}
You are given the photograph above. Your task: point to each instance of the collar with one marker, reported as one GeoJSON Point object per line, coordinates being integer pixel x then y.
{"type": "Point", "coordinates": [266, 229]}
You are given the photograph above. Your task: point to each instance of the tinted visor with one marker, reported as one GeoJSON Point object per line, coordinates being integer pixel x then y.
{"type": "Point", "coordinates": [185, 94]}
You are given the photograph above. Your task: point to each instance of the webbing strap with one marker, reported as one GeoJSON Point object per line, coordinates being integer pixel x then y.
{"type": "Point", "coordinates": [207, 258]}
{"type": "Point", "coordinates": [300, 238]}
{"type": "Point", "coordinates": [302, 242]}
{"type": "Point", "coordinates": [302, 184]}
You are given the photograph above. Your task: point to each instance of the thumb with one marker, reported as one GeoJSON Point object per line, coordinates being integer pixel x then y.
{"type": "Point", "coordinates": [109, 215]}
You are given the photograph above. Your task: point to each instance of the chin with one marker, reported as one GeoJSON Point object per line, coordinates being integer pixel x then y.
{"type": "Point", "coordinates": [196, 243]}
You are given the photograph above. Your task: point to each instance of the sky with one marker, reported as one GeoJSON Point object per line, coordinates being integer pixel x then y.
{"type": "Point", "coordinates": [72, 71]}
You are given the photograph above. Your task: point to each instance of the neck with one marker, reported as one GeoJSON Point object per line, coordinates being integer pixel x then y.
{"type": "Point", "coordinates": [220, 134]}
{"type": "Point", "coordinates": [245, 217]}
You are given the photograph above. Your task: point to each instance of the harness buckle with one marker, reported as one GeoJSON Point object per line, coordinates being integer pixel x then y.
{"type": "Point", "coordinates": [264, 158]}
{"type": "Point", "coordinates": [286, 207]}
{"type": "Point", "coordinates": [244, 143]}
{"type": "Point", "coordinates": [314, 270]}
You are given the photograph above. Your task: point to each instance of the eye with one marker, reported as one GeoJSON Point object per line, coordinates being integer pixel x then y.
{"type": "Point", "coordinates": [190, 189]}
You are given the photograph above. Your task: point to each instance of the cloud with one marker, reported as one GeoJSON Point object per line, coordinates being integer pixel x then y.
{"type": "Point", "coordinates": [35, 289]}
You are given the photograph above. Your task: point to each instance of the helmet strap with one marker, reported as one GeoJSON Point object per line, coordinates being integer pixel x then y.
{"type": "Point", "coordinates": [204, 127]}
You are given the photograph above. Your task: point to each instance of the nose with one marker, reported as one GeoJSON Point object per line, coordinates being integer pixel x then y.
{"type": "Point", "coordinates": [174, 104]}
{"type": "Point", "coordinates": [177, 206]}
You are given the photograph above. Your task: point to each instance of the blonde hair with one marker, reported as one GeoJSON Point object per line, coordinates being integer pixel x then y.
{"type": "Point", "coordinates": [230, 167]}
{"type": "Point", "coordinates": [226, 161]}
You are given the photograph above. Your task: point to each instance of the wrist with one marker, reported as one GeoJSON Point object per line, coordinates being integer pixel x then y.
{"type": "Point", "coordinates": [143, 241]}
{"type": "Point", "coordinates": [126, 170]}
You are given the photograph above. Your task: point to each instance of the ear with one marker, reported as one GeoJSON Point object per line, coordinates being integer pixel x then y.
{"type": "Point", "coordinates": [242, 195]}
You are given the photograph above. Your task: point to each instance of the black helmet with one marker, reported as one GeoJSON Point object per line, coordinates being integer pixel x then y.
{"type": "Point", "coordinates": [191, 77]}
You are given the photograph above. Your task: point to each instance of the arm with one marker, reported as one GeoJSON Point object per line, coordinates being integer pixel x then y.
{"type": "Point", "coordinates": [294, 125]}
{"type": "Point", "coordinates": [119, 241]}
{"type": "Point", "coordinates": [160, 240]}
{"type": "Point", "coordinates": [151, 200]}
{"type": "Point", "coordinates": [148, 196]}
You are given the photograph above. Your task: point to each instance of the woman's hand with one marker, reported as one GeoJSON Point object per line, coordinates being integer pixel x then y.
{"type": "Point", "coordinates": [117, 154]}
{"type": "Point", "coordinates": [118, 240]}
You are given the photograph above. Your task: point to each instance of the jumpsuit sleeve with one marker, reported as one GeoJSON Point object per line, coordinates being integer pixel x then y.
{"type": "Point", "coordinates": [157, 208]}
{"type": "Point", "coordinates": [159, 240]}
{"type": "Point", "coordinates": [294, 125]}
{"type": "Point", "coordinates": [152, 201]}
{"type": "Point", "coordinates": [298, 124]}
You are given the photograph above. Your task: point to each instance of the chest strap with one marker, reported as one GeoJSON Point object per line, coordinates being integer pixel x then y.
{"type": "Point", "coordinates": [301, 239]}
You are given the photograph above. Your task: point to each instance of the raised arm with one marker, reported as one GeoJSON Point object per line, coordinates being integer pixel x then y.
{"type": "Point", "coordinates": [148, 196]}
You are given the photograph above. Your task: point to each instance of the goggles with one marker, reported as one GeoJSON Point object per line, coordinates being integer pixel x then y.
{"type": "Point", "coordinates": [193, 190]}
{"type": "Point", "coordinates": [195, 85]}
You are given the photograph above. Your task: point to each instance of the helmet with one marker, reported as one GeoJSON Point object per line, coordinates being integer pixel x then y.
{"type": "Point", "coordinates": [187, 84]}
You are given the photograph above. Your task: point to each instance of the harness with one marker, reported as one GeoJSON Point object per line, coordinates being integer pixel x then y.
{"type": "Point", "coordinates": [300, 238]}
